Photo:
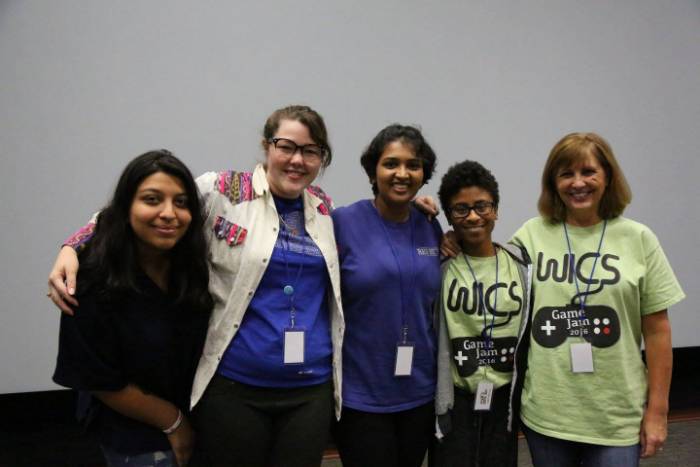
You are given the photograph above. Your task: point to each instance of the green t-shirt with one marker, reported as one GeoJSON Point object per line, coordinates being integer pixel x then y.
{"type": "Point", "coordinates": [632, 278]}
{"type": "Point", "coordinates": [472, 360]}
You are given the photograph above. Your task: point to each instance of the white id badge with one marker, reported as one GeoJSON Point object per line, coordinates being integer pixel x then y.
{"type": "Point", "coordinates": [404, 359]}
{"type": "Point", "coordinates": [581, 357]}
{"type": "Point", "coordinates": [294, 346]}
{"type": "Point", "coordinates": [483, 395]}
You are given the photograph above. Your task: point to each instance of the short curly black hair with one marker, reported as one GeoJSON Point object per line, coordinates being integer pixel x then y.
{"type": "Point", "coordinates": [409, 135]}
{"type": "Point", "coordinates": [464, 175]}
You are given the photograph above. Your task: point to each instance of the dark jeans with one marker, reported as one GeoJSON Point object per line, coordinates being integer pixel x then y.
{"type": "Point", "coordinates": [250, 426]}
{"type": "Point", "coordinates": [478, 439]}
{"type": "Point", "coordinates": [398, 439]}
{"type": "Point", "coordinates": [147, 459]}
{"type": "Point", "coordinates": [547, 451]}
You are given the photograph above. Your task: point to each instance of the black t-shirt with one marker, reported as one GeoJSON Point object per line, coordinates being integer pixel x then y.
{"type": "Point", "coordinates": [138, 338]}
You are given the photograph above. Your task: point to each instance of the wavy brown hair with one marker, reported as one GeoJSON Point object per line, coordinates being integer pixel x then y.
{"type": "Point", "coordinates": [571, 149]}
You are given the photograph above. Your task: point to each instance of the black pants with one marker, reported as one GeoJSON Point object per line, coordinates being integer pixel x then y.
{"type": "Point", "coordinates": [250, 426]}
{"type": "Point", "coordinates": [478, 439]}
{"type": "Point", "coordinates": [398, 439]}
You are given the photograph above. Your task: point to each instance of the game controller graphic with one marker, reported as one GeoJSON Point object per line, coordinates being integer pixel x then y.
{"type": "Point", "coordinates": [468, 353]}
{"type": "Point", "coordinates": [598, 325]}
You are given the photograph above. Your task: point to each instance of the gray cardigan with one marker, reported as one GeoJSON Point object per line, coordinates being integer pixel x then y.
{"type": "Point", "coordinates": [444, 393]}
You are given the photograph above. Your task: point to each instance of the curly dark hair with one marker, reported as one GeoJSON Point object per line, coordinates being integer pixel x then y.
{"type": "Point", "coordinates": [409, 135]}
{"type": "Point", "coordinates": [464, 175]}
{"type": "Point", "coordinates": [110, 260]}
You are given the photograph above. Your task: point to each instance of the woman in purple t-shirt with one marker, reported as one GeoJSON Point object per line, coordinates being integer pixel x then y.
{"type": "Point", "coordinates": [390, 275]}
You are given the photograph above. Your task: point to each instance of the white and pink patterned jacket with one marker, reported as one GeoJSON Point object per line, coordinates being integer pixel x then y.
{"type": "Point", "coordinates": [241, 227]}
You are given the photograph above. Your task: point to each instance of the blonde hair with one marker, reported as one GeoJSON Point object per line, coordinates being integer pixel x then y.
{"type": "Point", "coordinates": [571, 149]}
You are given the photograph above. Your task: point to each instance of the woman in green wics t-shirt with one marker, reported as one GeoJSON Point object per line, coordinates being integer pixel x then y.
{"type": "Point", "coordinates": [600, 283]}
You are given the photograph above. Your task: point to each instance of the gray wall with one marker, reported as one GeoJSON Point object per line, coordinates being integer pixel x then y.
{"type": "Point", "coordinates": [87, 85]}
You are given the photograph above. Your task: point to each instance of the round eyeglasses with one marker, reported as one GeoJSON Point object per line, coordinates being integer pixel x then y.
{"type": "Point", "coordinates": [482, 208]}
{"type": "Point", "coordinates": [309, 152]}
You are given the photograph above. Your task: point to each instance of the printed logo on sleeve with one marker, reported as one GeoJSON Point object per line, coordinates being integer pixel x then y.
{"type": "Point", "coordinates": [428, 251]}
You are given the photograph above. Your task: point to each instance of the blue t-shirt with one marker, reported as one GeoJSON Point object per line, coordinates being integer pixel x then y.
{"type": "Point", "coordinates": [255, 355]}
{"type": "Point", "coordinates": [390, 274]}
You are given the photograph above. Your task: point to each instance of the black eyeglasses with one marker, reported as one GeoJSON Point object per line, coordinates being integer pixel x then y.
{"type": "Point", "coordinates": [309, 152]}
{"type": "Point", "coordinates": [482, 208]}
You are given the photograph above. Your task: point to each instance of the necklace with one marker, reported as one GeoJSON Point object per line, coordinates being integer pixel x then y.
{"type": "Point", "coordinates": [289, 228]}
{"type": "Point", "coordinates": [289, 288]}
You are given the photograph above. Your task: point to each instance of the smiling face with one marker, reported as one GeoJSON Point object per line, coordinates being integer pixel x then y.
{"type": "Point", "coordinates": [399, 176]}
{"type": "Point", "coordinates": [474, 230]}
{"type": "Point", "coordinates": [581, 186]}
{"type": "Point", "coordinates": [159, 214]}
{"type": "Point", "coordinates": [289, 175]}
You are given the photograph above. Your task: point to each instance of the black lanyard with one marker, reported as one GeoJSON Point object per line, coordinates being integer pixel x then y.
{"type": "Point", "coordinates": [572, 268]}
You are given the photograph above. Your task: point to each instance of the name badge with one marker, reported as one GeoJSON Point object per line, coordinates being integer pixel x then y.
{"type": "Point", "coordinates": [581, 357]}
{"type": "Point", "coordinates": [483, 395]}
{"type": "Point", "coordinates": [294, 346]}
{"type": "Point", "coordinates": [404, 359]}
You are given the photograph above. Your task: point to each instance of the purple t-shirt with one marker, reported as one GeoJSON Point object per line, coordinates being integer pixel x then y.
{"type": "Point", "coordinates": [390, 276]}
{"type": "Point", "coordinates": [255, 354]}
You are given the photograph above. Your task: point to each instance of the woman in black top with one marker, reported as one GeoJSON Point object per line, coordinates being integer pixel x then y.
{"type": "Point", "coordinates": [144, 309]}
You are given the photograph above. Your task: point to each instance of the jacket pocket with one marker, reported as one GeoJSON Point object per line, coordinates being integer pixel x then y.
{"type": "Point", "coordinates": [232, 234]}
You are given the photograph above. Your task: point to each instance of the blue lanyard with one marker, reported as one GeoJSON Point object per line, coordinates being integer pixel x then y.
{"type": "Point", "coordinates": [290, 289]}
{"type": "Point", "coordinates": [487, 333]}
{"type": "Point", "coordinates": [404, 320]}
{"type": "Point", "coordinates": [572, 268]}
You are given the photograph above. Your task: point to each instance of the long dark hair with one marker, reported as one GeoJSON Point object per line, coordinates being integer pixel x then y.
{"type": "Point", "coordinates": [110, 260]}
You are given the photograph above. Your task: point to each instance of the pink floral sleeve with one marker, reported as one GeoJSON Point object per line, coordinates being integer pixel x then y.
{"type": "Point", "coordinates": [79, 239]}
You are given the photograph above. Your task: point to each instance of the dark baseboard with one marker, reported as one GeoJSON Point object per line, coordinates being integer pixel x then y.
{"type": "Point", "coordinates": [40, 429]}
{"type": "Point", "coordinates": [685, 382]}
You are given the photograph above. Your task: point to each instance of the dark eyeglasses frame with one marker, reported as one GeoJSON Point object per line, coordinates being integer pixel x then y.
{"type": "Point", "coordinates": [487, 206]}
{"type": "Point", "coordinates": [300, 148]}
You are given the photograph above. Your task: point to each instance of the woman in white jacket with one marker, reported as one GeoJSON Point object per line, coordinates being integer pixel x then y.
{"type": "Point", "coordinates": [270, 370]}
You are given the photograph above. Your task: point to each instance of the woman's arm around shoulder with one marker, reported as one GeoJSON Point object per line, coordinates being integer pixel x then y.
{"type": "Point", "coordinates": [63, 280]}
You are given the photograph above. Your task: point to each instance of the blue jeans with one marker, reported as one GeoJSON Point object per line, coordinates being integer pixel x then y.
{"type": "Point", "coordinates": [547, 451]}
{"type": "Point", "coordinates": [147, 459]}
